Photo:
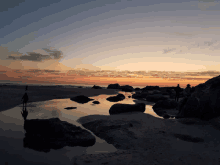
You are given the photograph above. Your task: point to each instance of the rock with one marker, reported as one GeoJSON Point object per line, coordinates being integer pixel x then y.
{"type": "Point", "coordinates": [96, 102]}
{"type": "Point", "coordinates": [142, 95]}
{"type": "Point", "coordinates": [127, 88]}
{"type": "Point", "coordinates": [68, 108]}
{"type": "Point", "coordinates": [155, 98]}
{"type": "Point", "coordinates": [119, 97]}
{"type": "Point", "coordinates": [113, 86]}
{"type": "Point", "coordinates": [165, 104]}
{"type": "Point", "coordinates": [123, 108]}
{"type": "Point", "coordinates": [151, 88]}
{"type": "Point", "coordinates": [204, 101]}
{"type": "Point", "coordinates": [188, 107]}
{"type": "Point", "coordinates": [137, 89]}
{"type": "Point", "coordinates": [129, 96]}
{"type": "Point", "coordinates": [46, 134]}
{"type": "Point", "coordinates": [81, 99]}
{"type": "Point", "coordinates": [96, 87]}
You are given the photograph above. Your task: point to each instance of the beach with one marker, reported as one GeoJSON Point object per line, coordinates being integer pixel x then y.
{"type": "Point", "coordinates": [128, 138]}
{"type": "Point", "coordinates": [50, 102]}
{"type": "Point", "coordinates": [10, 95]}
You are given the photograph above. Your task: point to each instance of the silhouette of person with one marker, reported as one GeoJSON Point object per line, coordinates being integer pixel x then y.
{"type": "Point", "coordinates": [188, 90]}
{"type": "Point", "coordinates": [177, 89]}
{"type": "Point", "coordinates": [24, 113]}
{"type": "Point", "coordinates": [26, 88]}
{"type": "Point", "coordinates": [25, 100]}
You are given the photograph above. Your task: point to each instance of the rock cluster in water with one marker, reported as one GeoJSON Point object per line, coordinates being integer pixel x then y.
{"type": "Point", "coordinates": [46, 134]}
{"type": "Point", "coordinates": [123, 108]}
{"type": "Point", "coordinates": [81, 99]}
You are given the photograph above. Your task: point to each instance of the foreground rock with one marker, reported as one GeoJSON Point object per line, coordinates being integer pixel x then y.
{"type": "Point", "coordinates": [81, 99]}
{"type": "Point", "coordinates": [46, 134]}
{"type": "Point", "coordinates": [143, 139]}
{"type": "Point", "coordinates": [117, 98]}
{"type": "Point", "coordinates": [164, 108]}
{"type": "Point", "coordinates": [188, 107]}
{"type": "Point", "coordinates": [124, 108]}
{"type": "Point", "coordinates": [204, 103]}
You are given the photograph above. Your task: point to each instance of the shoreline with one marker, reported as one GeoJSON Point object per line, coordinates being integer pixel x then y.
{"type": "Point", "coordinates": [10, 95]}
{"type": "Point", "coordinates": [144, 139]}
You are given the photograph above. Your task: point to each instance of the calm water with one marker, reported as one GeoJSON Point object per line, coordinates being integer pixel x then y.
{"type": "Point", "coordinates": [12, 132]}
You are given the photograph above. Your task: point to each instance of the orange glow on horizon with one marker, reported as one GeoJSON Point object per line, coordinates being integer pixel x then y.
{"type": "Point", "coordinates": [63, 78]}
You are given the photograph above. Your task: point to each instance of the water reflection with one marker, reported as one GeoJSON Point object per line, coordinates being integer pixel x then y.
{"type": "Point", "coordinates": [13, 133]}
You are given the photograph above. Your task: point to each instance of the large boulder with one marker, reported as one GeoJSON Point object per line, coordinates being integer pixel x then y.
{"type": "Point", "coordinates": [117, 98]}
{"type": "Point", "coordinates": [165, 104]}
{"type": "Point", "coordinates": [81, 99]}
{"type": "Point", "coordinates": [127, 88]}
{"type": "Point", "coordinates": [123, 108]}
{"type": "Point", "coordinates": [113, 86]}
{"type": "Point", "coordinates": [188, 108]}
{"type": "Point", "coordinates": [46, 134]}
{"type": "Point", "coordinates": [204, 101]}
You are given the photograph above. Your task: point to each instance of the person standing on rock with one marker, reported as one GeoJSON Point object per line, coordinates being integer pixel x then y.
{"type": "Point", "coordinates": [177, 89]}
{"type": "Point", "coordinates": [188, 91]}
{"type": "Point", "coordinates": [25, 100]}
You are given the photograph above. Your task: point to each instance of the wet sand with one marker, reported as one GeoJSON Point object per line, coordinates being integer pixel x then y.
{"type": "Point", "coordinates": [10, 95]}
{"type": "Point", "coordinates": [145, 139]}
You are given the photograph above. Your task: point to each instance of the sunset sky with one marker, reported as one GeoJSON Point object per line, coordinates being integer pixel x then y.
{"type": "Point", "coordinates": [119, 35]}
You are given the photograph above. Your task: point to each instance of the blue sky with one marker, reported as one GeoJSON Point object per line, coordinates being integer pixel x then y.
{"type": "Point", "coordinates": [112, 34]}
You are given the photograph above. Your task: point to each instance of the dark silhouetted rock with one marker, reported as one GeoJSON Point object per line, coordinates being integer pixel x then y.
{"type": "Point", "coordinates": [137, 89]}
{"type": "Point", "coordinates": [129, 96]}
{"type": "Point", "coordinates": [69, 108]}
{"type": "Point", "coordinates": [119, 97]}
{"type": "Point", "coordinates": [204, 102]}
{"type": "Point", "coordinates": [96, 87]}
{"type": "Point", "coordinates": [123, 108]}
{"type": "Point", "coordinates": [81, 99]}
{"type": "Point", "coordinates": [96, 102]}
{"type": "Point", "coordinates": [140, 95]}
{"type": "Point", "coordinates": [165, 104]}
{"type": "Point", "coordinates": [155, 98]}
{"type": "Point", "coordinates": [113, 86]}
{"type": "Point", "coordinates": [127, 88]}
{"type": "Point", "coordinates": [46, 134]}
{"type": "Point", "coordinates": [151, 88]}
{"type": "Point", "coordinates": [188, 107]}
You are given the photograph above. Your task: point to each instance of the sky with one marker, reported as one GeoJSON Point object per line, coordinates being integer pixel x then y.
{"type": "Point", "coordinates": [133, 35]}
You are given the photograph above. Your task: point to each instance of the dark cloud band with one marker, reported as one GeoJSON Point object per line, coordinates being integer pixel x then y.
{"type": "Point", "coordinates": [32, 56]}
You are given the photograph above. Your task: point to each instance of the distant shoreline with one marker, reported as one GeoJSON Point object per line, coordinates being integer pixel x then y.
{"type": "Point", "coordinates": [10, 95]}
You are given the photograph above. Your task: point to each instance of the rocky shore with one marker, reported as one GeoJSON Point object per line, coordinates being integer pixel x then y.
{"type": "Point", "coordinates": [192, 137]}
